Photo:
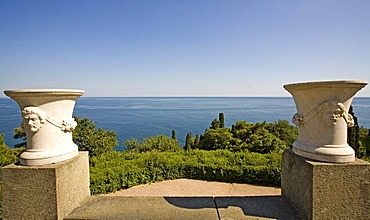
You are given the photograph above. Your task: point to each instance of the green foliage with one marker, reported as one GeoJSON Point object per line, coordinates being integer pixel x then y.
{"type": "Point", "coordinates": [214, 139]}
{"type": "Point", "coordinates": [353, 136]}
{"type": "Point", "coordinates": [158, 143]}
{"type": "Point", "coordinates": [284, 131]}
{"type": "Point", "coordinates": [242, 130]}
{"type": "Point", "coordinates": [265, 142]}
{"type": "Point", "coordinates": [364, 145]}
{"type": "Point", "coordinates": [358, 138]}
{"type": "Point", "coordinates": [20, 134]}
{"type": "Point", "coordinates": [132, 145]}
{"type": "Point", "coordinates": [174, 135]}
{"type": "Point", "coordinates": [221, 119]}
{"type": "Point", "coordinates": [366, 158]}
{"type": "Point", "coordinates": [220, 123]}
{"type": "Point", "coordinates": [7, 155]}
{"type": "Point", "coordinates": [258, 137]}
{"type": "Point", "coordinates": [188, 142]}
{"type": "Point", "coordinates": [215, 124]}
{"type": "Point", "coordinates": [119, 170]}
{"type": "Point", "coordinates": [92, 139]}
{"type": "Point", "coordinates": [196, 141]}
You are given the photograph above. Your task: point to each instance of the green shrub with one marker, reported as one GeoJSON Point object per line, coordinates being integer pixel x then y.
{"type": "Point", "coordinates": [159, 143]}
{"type": "Point", "coordinates": [120, 170]}
{"type": "Point", "coordinates": [92, 139]}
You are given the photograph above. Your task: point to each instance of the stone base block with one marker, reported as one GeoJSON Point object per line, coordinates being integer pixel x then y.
{"type": "Point", "coordinates": [45, 192]}
{"type": "Point", "coordinates": [326, 190]}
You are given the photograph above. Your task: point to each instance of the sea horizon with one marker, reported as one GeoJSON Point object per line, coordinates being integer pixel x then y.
{"type": "Point", "coordinates": [139, 117]}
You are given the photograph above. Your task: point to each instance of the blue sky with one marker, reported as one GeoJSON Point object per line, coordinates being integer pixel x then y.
{"type": "Point", "coordinates": [182, 48]}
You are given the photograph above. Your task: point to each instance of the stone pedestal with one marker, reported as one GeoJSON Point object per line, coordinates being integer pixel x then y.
{"type": "Point", "coordinates": [326, 190]}
{"type": "Point", "coordinates": [45, 192]}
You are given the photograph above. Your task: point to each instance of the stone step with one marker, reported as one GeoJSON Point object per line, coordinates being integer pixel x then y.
{"type": "Point", "coordinates": [144, 207]}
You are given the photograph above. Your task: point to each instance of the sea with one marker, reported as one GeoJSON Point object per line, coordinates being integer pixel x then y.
{"type": "Point", "coordinates": [140, 117]}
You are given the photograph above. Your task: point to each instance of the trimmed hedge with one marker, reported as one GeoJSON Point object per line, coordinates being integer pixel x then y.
{"type": "Point", "coordinates": [120, 170]}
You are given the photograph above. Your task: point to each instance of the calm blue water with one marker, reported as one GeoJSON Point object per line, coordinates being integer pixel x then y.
{"type": "Point", "coordinates": [145, 117]}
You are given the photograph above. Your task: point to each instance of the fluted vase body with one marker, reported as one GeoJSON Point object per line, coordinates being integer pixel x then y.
{"type": "Point", "coordinates": [322, 119]}
{"type": "Point", "coordinates": [48, 124]}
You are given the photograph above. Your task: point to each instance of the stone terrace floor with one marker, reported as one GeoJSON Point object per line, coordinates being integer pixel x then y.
{"type": "Point", "coordinates": [189, 199]}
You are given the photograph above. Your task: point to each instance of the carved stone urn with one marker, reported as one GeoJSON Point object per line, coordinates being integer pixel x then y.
{"type": "Point", "coordinates": [322, 119]}
{"type": "Point", "coordinates": [48, 124]}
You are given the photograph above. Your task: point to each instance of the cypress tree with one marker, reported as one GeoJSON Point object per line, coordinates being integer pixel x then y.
{"type": "Point", "coordinates": [196, 141]}
{"type": "Point", "coordinates": [353, 135]}
{"type": "Point", "coordinates": [351, 131]}
{"type": "Point", "coordinates": [232, 129]}
{"type": "Point", "coordinates": [215, 124]}
{"type": "Point", "coordinates": [221, 119]}
{"type": "Point", "coordinates": [188, 142]}
{"type": "Point", "coordinates": [174, 135]}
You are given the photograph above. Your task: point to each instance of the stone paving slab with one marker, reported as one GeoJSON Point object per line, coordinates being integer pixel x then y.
{"type": "Point", "coordinates": [145, 208]}
{"type": "Point", "coordinates": [204, 208]}
{"type": "Point", "coordinates": [188, 199]}
{"type": "Point", "coordinates": [256, 207]}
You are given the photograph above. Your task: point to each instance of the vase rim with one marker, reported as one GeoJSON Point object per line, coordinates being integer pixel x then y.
{"type": "Point", "coordinates": [331, 83]}
{"type": "Point", "coordinates": [32, 92]}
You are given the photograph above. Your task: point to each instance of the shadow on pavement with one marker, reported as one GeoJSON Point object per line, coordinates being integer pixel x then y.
{"type": "Point", "coordinates": [275, 207]}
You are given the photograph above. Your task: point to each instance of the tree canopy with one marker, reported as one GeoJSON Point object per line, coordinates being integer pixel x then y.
{"type": "Point", "coordinates": [159, 143]}
{"type": "Point", "coordinates": [92, 139]}
{"type": "Point", "coordinates": [243, 136]}
{"type": "Point", "coordinates": [7, 155]}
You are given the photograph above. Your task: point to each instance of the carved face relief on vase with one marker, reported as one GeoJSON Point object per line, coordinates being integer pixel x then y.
{"type": "Point", "coordinates": [331, 111]}
{"type": "Point", "coordinates": [350, 120]}
{"type": "Point", "coordinates": [298, 119]}
{"type": "Point", "coordinates": [34, 118]}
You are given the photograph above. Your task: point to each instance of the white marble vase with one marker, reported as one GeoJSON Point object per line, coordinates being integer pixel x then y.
{"type": "Point", "coordinates": [322, 119]}
{"type": "Point", "coordinates": [48, 124]}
